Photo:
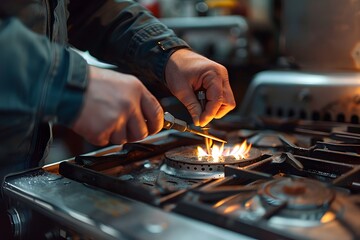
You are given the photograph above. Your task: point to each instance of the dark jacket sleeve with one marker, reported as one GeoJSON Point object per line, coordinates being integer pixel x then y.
{"type": "Point", "coordinates": [38, 79]}
{"type": "Point", "coordinates": [125, 34]}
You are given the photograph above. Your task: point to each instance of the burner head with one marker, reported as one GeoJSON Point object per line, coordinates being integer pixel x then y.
{"type": "Point", "coordinates": [183, 162]}
{"type": "Point", "coordinates": [298, 193]}
{"type": "Point", "coordinates": [286, 202]}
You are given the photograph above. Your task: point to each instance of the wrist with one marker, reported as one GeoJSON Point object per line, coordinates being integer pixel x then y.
{"type": "Point", "coordinates": [168, 48]}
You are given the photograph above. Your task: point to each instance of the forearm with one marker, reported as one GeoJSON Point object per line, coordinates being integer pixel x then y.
{"type": "Point", "coordinates": [38, 79]}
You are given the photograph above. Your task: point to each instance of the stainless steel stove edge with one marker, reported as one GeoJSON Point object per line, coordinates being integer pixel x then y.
{"type": "Point", "coordinates": [89, 212]}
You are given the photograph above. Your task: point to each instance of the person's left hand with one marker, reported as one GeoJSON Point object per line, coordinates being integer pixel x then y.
{"type": "Point", "coordinates": [187, 72]}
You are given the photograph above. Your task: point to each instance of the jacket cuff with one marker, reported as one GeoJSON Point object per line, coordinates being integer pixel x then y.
{"type": "Point", "coordinates": [150, 49]}
{"type": "Point", "coordinates": [167, 48]}
{"type": "Point", "coordinates": [67, 90]}
{"type": "Point", "coordinates": [73, 95]}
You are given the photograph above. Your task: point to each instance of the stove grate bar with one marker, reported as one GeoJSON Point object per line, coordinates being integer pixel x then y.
{"type": "Point", "coordinates": [347, 179]}
{"type": "Point", "coordinates": [258, 230]}
{"type": "Point", "coordinates": [222, 192]}
{"type": "Point", "coordinates": [246, 173]}
{"type": "Point", "coordinates": [109, 183]}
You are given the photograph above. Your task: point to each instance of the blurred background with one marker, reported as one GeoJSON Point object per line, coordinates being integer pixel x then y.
{"type": "Point", "coordinates": [249, 36]}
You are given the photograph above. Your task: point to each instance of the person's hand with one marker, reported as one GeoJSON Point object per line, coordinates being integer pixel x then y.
{"type": "Point", "coordinates": [117, 108]}
{"type": "Point", "coordinates": [187, 72]}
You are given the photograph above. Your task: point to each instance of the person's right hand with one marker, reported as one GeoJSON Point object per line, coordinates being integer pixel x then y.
{"type": "Point", "coordinates": [117, 108]}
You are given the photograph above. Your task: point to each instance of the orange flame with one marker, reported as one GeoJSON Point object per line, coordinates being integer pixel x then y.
{"type": "Point", "coordinates": [239, 151]}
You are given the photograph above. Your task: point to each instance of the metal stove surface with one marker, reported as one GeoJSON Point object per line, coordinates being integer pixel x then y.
{"type": "Point", "coordinates": [301, 181]}
{"type": "Point", "coordinates": [59, 208]}
{"type": "Point", "coordinates": [285, 192]}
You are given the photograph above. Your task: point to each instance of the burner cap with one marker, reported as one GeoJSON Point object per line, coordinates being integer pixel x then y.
{"type": "Point", "coordinates": [299, 193]}
{"type": "Point", "coordinates": [183, 162]}
{"type": "Point", "coordinates": [188, 154]}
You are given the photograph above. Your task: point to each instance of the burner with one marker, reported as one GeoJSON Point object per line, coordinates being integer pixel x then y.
{"type": "Point", "coordinates": [297, 193]}
{"type": "Point", "coordinates": [306, 202]}
{"type": "Point", "coordinates": [286, 202]}
{"type": "Point", "coordinates": [183, 162]}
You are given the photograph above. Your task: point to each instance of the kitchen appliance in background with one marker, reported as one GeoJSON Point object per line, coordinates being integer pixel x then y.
{"type": "Point", "coordinates": [311, 96]}
{"type": "Point", "coordinates": [323, 34]}
{"type": "Point", "coordinates": [220, 38]}
{"type": "Point", "coordinates": [234, 33]}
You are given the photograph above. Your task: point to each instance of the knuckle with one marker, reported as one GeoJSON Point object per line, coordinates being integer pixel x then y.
{"type": "Point", "coordinates": [159, 113]}
{"type": "Point", "coordinates": [191, 106]}
{"type": "Point", "coordinates": [220, 98]}
{"type": "Point", "coordinates": [155, 124]}
{"type": "Point", "coordinates": [136, 85]}
{"type": "Point", "coordinates": [120, 107]}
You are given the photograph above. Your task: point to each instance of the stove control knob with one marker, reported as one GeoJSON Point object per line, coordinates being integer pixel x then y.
{"type": "Point", "coordinates": [19, 221]}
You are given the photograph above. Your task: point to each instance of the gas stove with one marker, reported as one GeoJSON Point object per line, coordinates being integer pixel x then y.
{"type": "Point", "coordinates": [298, 176]}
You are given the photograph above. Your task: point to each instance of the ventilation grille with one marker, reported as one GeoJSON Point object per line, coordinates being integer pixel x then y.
{"type": "Point", "coordinates": [280, 112]}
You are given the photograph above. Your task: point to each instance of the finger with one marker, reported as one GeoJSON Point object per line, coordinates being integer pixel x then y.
{"type": "Point", "coordinates": [192, 104]}
{"type": "Point", "coordinates": [224, 109]}
{"type": "Point", "coordinates": [99, 141]}
{"type": "Point", "coordinates": [118, 136]}
{"type": "Point", "coordinates": [152, 112]}
{"type": "Point", "coordinates": [214, 98]}
{"type": "Point", "coordinates": [228, 103]}
{"type": "Point", "coordinates": [211, 109]}
{"type": "Point", "coordinates": [136, 127]}
{"type": "Point", "coordinates": [95, 136]}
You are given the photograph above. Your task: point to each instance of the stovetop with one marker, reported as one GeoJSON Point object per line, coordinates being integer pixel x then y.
{"type": "Point", "coordinates": [285, 191]}
{"type": "Point", "coordinates": [299, 180]}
